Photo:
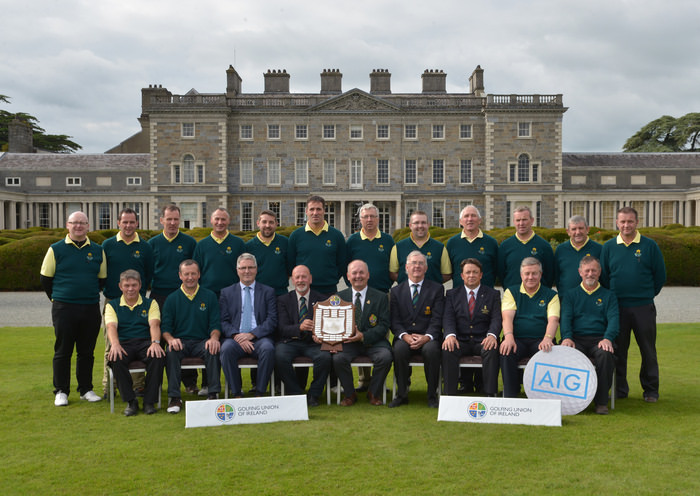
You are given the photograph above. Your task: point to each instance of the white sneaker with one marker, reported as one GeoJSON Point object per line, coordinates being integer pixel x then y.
{"type": "Point", "coordinates": [61, 399]}
{"type": "Point", "coordinates": [91, 397]}
{"type": "Point", "coordinates": [203, 392]}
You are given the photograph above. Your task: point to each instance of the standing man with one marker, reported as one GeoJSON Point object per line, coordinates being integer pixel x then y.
{"type": "Point", "coordinates": [373, 247]}
{"type": "Point", "coordinates": [249, 320]}
{"type": "Point", "coordinates": [417, 326]}
{"type": "Point", "coordinates": [569, 254]}
{"type": "Point", "coordinates": [473, 243]}
{"type": "Point", "coordinates": [72, 273]}
{"type": "Point", "coordinates": [372, 323]}
{"type": "Point", "coordinates": [530, 313]}
{"type": "Point", "coordinates": [133, 330]}
{"type": "Point", "coordinates": [320, 247]}
{"type": "Point", "coordinates": [271, 253]}
{"type": "Point", "coordinates": [472, 322]}
{"type": "Point", "coordinates": [634, 270]}
{"type": "Point", "coordinates": [439, 267]}
{"type": "Point", "coordinates": [524, 243]}
{"type": "Point", "coordinates": [192, 327]}
{"type": "Point", "coordinates": [590, 323]}
{"type": "Point", "coordinates": [295, 336]}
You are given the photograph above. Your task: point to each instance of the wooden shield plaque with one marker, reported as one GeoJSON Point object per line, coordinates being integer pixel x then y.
{"type": "Point", "coordinates": [334, 321]}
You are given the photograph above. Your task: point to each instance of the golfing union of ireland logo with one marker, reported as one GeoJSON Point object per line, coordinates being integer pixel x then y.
{"type": "Point", "coordinates": [477, 410]}
{"type": "Point", "coordinates": [225, 412]}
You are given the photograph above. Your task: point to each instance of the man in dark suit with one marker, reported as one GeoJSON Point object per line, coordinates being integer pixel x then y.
{"type": "Point", "coordinates": [416, 321]}
{"type": "Point", "coordinates": [295, 336]}
{"type": "Point", "coordinates": [369, 338]}
{"type": "Point", "coordinates": [248, 322]}
{"type": "Point", "coordinates": [472, 323]}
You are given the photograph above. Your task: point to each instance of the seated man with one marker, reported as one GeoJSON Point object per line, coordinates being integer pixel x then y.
{"type": "Point", "coordinates": [472, 322]}
{"type": "Point", "coordinates": [530, 320]}
{"type": "Point", "coordinates": [248, 321]}
{"type": "Point", "coordinates": [416, 321]}
{"type": "Point", "coordinates": [191, 327]}
{"type": "Point", "coordinates": [296, 338]}
{"type": "Point", "coordinates": [369, 338]}
{"type": "Point", "coordinates": [590, 322]}
{"type": "Point", "coordinates": [133, 331]}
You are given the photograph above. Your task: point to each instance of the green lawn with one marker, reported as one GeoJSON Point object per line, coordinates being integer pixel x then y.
{"type": "Point", "coordinates": [363, 450]}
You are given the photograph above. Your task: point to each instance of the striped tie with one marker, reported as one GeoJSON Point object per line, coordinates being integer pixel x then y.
{"type": "Point", "coordinates": [414, 296]}
{"type": "Point", "coordinates": [472, 304]}
{"type": "Point", "coordinates": [247, 315]}
{"type": "Point", "coordinates": [358, 308]}
{"type": "Point", "coordinates": [303, 310]}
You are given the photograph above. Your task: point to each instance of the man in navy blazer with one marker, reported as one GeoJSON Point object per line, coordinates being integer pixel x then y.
{"type": "Point", "coordinates": [295, 336]}
{"type": "Point", "coordinates": [472, 324]}
{"type": "Point", "coordinates": [416, 322]}
{"type": "Point", "coordinates": [248, 333]}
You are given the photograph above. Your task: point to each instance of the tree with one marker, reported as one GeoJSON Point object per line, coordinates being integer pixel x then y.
{"type": "Point", "coordinates": [667, 134]}
{"type": "Point", "coordinates": [58, 143]}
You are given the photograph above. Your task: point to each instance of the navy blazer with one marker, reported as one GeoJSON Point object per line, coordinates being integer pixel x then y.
{"type": "Point", "coordinates": [487, 313]}
{"type": "Point", "coordinates": [425, 317]}
{"type": "Point", "coordinates": [375, 321]}
{"type": "Point", "coordinates": [288, 314]}
{"type": "Point", "coordinates": [265, 310]}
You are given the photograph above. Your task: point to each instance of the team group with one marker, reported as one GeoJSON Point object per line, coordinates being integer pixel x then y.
{"type": "Point", "coordinates": [221, 300]}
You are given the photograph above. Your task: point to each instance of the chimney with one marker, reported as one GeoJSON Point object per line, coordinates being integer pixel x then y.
{"type": "Point", "coordinates": [434, 81]}
{"type": "Point", "coordinates": [331, 82]}
{"type": "Point", "coordinates": [380, 82]}
{"type": "Point", "coordinates": [276, 81]}
{"type": "Point", "coordinates": [20, 136]}
{"type": "Point", "coordinates": [233, 82]}
{"type": "Point", "coordinates": [155, 93]}
{"type": "Point", "coordinates": [476, 82]}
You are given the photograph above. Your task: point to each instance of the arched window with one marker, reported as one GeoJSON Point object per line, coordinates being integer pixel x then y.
{"type": "Point", "coordinates": [524, 171]}
{"type": "Point", "coordinates": [523, 168]}
{"type": "Point", "coordinates": [188, 169]}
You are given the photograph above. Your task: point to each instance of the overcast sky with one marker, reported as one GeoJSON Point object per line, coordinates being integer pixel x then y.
{"type": "Point", "coordinates": [79, 66]}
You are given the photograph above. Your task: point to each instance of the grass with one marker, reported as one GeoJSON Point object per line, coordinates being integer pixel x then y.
{"type": "Point", "coordinates": [363, 450]}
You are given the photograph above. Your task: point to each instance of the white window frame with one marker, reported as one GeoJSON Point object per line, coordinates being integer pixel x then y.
{"type": "Point", "coordinates": [189, 171]}
{"type": "Point", "coordinates": [274, 132]}
{"type": "Point", "coordinates": [468, 163]}
{"type": "Point", "coordinates": [465, 131]}
{"type": "Point", "coordinates": [524, 129]}
{"type": "Point", "coordinates": [274, 172]}
{"type": "Point", "coordinates": [246, 171]}
{"type": "Point", "coordinates": [133, 181]}
{"type": "Point", "coordinates": [437, 132]}
{"type": "Point", "coordinates": [388, 171]}
{"type": "Point", "coordinates": [13, 181]}
{"type": "Point", "coordinates": [410, 206]}
{"type": "Point", "coordinates": [328, 132]}
{"type": "Point", "coordinates": [187, 130]}
{"type": "Point", "coordinates": [358, 129]}
{"type": "Point", "coordinates": [414, 165]}
{"type": "Point", "coordinates": [438, 206]}
{"type": "Point", "coordinates": [329, 170]}
{"type": "Point", "coordinates": [356, 173]}
{"type": "Point", "coordinates": [441, 163]}
{"type": "Point", "coordinates": [301, 171]}
{"type": "Point", "coordinates": [246, 215]}
{"type": "Point", "coordinates": [380, 132]}
{"type": "Point", "coordinates": [74, 181]}
{"type": "Point", "coordinates": [516, 171]}
{"type": "Point", "coordinates": [301, 132]}
{"type": "Point", "coordinates": [245, 132]}
{"type": "Point", "coordinates": [414, 127]}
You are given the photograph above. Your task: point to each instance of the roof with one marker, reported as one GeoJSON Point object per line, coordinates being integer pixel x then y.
{"type": "Point", "coordinates": [71, 161]}
{"type": "Point", "coordinates": [682, 160]}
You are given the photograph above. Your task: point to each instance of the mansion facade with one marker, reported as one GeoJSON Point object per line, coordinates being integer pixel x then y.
{"type": "Point", "coordinates": [433, 151]}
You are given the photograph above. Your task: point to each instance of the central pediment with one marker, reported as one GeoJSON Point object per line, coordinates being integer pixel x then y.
{"type": "Point", "coordinates": [355, 100]}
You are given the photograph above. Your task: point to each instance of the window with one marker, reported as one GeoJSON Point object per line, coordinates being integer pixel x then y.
{"type": "Point", "coordinates": [384, 216]}
{"type": "Point", "coordinates": [355, 131]}
{"type": "Point", "coordinates": [246, 131]}
{"type": "Point", "coordinates": [608, 211]}
{"type": "Point", "coordinates": [668, 212]}
{"type": "Point", "coordinates": [300, 213]}
{"type": "Point", "coordinates": [273, 172]}
{"type": "Point", "coordinates": [410, 172]}
{"type": "Point", "coordinates": [329, 131]}
{"type": "Point", "coordinates": [464, 203]}
{"type": "Point", "coordinates": [273, 131]}
{"type": "Point", "coordinates": [329, 171]}
{"type": "Point", "coordinates": [578, 208]}
{"type": "Point", "coordinates": [135, 206]}
{"type": "Point", "coordinates": [246, 216]}
{"type": "Point", "coordinates": [188, 129]}
{"type": "Point", "coordinates": [246, 171]}
{"type": "Point", "coordinates": [438, 131]}
{"type": "Point", "coordinates": [439, 213]}
{"type": "Point", "coordinates": [301, 171]}
{"type": "Point", "coordinates": [355, 223]}
{"type": "Point", "coordinates": [188, 214]}
{"type": "Point", "coordinates": [330, 213]}
{"type": "Point", "coordinates": [524, 171]}
{"type": "Point", "coordinates": [188, 172]}
{"type": "Point", "coordinates": [465, 171]}
{"type": "Point", "coordinates": [275, 207]}
{"type": "Point", "coordinates": [301, 132]}
{"type": "Point", "coordinates": [188, 169]}
{"type": "Point", "coordinates": [465, 131]}
{"type": "Point", "coordinates": [355, 173]}
{"type": "Point", "coordinates": [641, 208]}
{"type": "Point", "coordinates": [205, 218]}
{"type": "Point", "coordinates": [13, 181]}
{"type": "Point", "coordinates": [538, 213]}
{"type": "Point", "coordinates": [200, 176]}
{"type": "Point", "coordinates": [105, 219]}
{"type": "Point", "coordinates": [411, 206]}
{"type": "Point", "coordinates": [74, 181]}
{"type": "Point", "coordinates": [382, 131]}
{"type": "Point", "coordinates": [44, 214]}
{"type": "Point", "coordinates": [524, 129]}
{"type": "Point", "coordinates": [410, 132]}
{"type": "Point", "coordinates": [133, 181]}
{"type": "Point", "coordinates": [382, 171]}
{"type": "Point", "coordinates": [438, 171]}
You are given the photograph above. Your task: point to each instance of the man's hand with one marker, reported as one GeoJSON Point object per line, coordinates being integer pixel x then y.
{"type": "Point", "coordinates": [155, 351]}
{"type": "Point", "coordinates": [116, 352]}
{"type": "Point", "coordinates": [356, 336]}
{"type": "Point", "coordinates": [245, 341]}
{"type": "Point", "coordinates": [450, 343]}
{"type": "Point", "coordinates": [213, 345]}
{"type": "Point", "coordinates": [416, 341]}
{"type": "Point", "coordinates": [489, 342]}
{"type": "Point", "coordinates": [545, 344]}
{"type": "Point", "coordinates": [306, 325]}
{"type": "Point", "coordinates": [508, 345]}
{"type": "Point", "coordinates": [175, 344]}
{"type": "Point", "coordinates": [606, 344]}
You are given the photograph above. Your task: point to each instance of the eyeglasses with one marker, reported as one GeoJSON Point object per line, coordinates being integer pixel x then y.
{"type": "Point", "coordinates": [252, 267]}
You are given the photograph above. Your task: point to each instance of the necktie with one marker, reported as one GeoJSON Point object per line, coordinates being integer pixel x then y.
{"type": "Point", "coordinates": [247, 315]}
{"type": "Point", "coordinates": [303, 310]}
{"type": "Point", "coordinates": [414, 295]}
{"type": "Point", "coordinates": [472, 304]}
{"type": "Point", "coordinates": [358, 308]}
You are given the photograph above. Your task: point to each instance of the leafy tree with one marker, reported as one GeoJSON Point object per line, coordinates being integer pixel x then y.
{"type": "Point", "coordinates": [59, 143]}
{"type": "Point", "coordinates": [667, 134]}
{"type": "Point", "coordinates": [689, 131]}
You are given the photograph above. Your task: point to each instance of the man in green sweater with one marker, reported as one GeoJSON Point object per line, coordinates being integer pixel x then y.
{"type": "Point", "coordinates": [590, 322]}
{"type": "Point", "coordinates": [271, 253]}
{"type": "Point", "coordinates": [634, 269]}
{"type": "Point", "coordinates": [568, 255]}
{"type": "Point", "coordinates": [473, 243]}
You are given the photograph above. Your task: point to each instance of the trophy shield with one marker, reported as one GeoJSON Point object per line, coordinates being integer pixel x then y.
{"type": "Point", "coordinates": [334, 321]}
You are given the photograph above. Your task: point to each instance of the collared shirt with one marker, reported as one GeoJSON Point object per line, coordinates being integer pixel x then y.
{"type": "Point", "coordinates": [170, 240]}
{"type": "Point", "coordinates": [111, 315]}
{"type": "Point", "coordinates": [192, 296]}
{"type": "Point", "coordinates": [480, 234]}
{"type": "Point", "coordinates": [621, 241]}
{"type": "Point", "coordinates": [525, 241]}
{"type": "Point", "coordinates": [363, 296]}
{"type": "Point", "coordinates": [135, 240]}
{"type": "Point", "coordinates": [266, 243]}
{"type": "Point", "coordinates": [48, 266]}
{"type": "Point", "coordinates": [364, 236]}
{"type": "Point", "coordinates": [591, 291]}
{"type": "Point", "coordinates": [508, 302]}
{"type": "Point", "coordinates": [254, 324]}
{"type": "Point", "coordinates": [219, 240]}
{"type": "Point", "coordinates": [580, 247]}
{"type": "Point", "coordinates": [317, 232]}
{"type": "Point", "coordinates": [305, 295]}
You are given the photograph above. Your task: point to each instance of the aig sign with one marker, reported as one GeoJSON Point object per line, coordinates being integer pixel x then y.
{"type": "Point", "coordinates": [565, 374]}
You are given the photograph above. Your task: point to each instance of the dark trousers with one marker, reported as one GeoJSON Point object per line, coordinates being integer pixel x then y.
{"type": "Point", "coordinates": [231, 352]}
{"type": "Point", "coordinates": [470, 347]}
{"type": "Point", "coordinates": [191, 348]}
{"type": "Point", "coordinates": [75, 326]}
{"type": "Point", "coordinates": [136, 349]}
{"type": "Point", "coordinates": [642, 321]}
{"type": "Point", "coordinates": [286, 352]}
{"type": "Point", "coordinates": [525, 348]}
{"type": "Point", "coordinates": [380, 356]}
{"type": "Point", "coordinates": [430, 352]}
{"type": "Point", "coordinates": [604, 362]}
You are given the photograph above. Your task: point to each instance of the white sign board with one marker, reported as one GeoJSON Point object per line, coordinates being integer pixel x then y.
{"type": "Point", "coordinates": [210, 413]}
{"type": "Point", "coordinates": [500, 410]}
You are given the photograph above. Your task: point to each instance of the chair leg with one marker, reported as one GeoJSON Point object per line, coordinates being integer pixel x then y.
{"type": "Point", "coordinates": [111, 389]}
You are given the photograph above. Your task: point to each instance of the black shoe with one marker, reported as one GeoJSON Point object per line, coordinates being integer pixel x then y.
{"type": "Point", "coordinates": [213, 396]}
{"type": "Point", "coordinates": [398, 401]}
{"type": "Point", "coordinates": [311, 401]}
{"type": "Point", "coordinates": [149, 409]}
{"type": "Point", "coordinates": [132, 409]}
{"type": "Point", "coordinates": [433, 403]}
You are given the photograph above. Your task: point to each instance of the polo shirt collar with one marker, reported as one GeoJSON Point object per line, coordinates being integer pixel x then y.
{"type": "Point", "coordinates": [637, 239]}
{"type": "Point", "coordinates": [135, 240]}
{"type": "Point", "coordinates": [123, 303]}
{"type": "Point", "coordinates": [324, 228]}
{"type": "Point", "coordinates": [480, 234]}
